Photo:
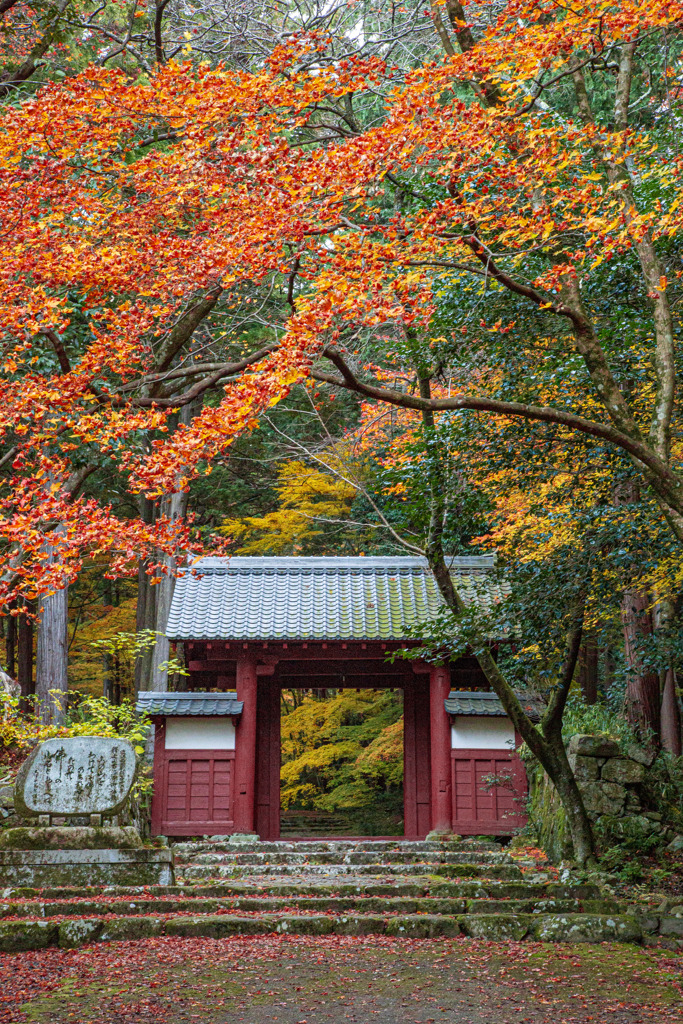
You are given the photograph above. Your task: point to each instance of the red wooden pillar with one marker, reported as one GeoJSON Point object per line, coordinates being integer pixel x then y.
{"type": "Point", "coordinates": [245, 745]}
{"type": "Point", "coordinates": [416, 758]}
{"type": "Point", "coordinates": [439, 688]}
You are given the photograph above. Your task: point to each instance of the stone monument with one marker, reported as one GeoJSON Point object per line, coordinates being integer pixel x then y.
{"type": "Point", "coordinates": [76, 777]}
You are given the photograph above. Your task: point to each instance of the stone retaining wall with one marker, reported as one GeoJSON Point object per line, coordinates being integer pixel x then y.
{"type": "Point", "coordinates": [612, 781]}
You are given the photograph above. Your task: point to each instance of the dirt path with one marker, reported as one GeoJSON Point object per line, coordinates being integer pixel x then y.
{"type": "Point", "coordinates": [341, 981]}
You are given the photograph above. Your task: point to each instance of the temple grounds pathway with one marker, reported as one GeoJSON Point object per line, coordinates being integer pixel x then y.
{"type": "Point", "coordinates": [340, 979]}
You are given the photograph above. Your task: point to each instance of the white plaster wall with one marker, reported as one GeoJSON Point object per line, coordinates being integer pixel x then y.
{"type": "Point", "coordinates": [194, 732]}
{"type": "Point", "coordinates": [482, 732]}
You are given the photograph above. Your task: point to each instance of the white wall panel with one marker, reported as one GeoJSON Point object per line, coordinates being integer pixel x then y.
{"type": "Point", "coordinates": [482, 732]}
{"type": "Point", "coordinates": [195, 732]}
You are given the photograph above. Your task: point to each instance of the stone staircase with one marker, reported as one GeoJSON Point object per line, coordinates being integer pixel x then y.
{"type": "Point", "coordinates": [401, 888]}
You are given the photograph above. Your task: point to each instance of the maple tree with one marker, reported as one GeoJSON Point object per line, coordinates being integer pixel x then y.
{"type": "Point", "coordinates": [335, 202]}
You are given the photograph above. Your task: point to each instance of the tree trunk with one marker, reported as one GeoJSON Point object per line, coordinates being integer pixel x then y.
{"type": "Point", "coordinates": [671, 715]}
{"type": "Point", "coordinates": [174, 506]}
{"type": "Point", "coordinates": [564, 782]}
{"type": "Point", "coordinates": [145, 617]}
{"type": "Point", "coordinates": [25, 652]}
{"type": "Point", "coordinates": [52, 656]}
{"type": "Point", "coordinates": [588, 670]}
{"type": "Point", "coordinates": [642, 686]}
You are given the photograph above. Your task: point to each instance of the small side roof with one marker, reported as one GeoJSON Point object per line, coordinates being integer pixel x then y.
{"type": "Point", "coordinates": [312, 598]}
{"type": "Point", "coordinates": [479, 702]}
{"type": "Point", "coordinates": [155, 702]}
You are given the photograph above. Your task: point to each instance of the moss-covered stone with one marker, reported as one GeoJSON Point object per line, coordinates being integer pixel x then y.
{"type": "Point", "coordinates": [80, 932]}
{"type": "Point", "coordinates": [422, 926]}
{"type": "Point", "coordinates": [360, 925]}
{"type": "Point", "coordinates": [598, 745]}
{"type": "Point", "coordinates": [17, 936]}
{"type": "Point", "coordinates": [671, 926]}
{"type": "Point", "coordinates": [218, 926]}
{"type": "Point", "coordinates": [84, 868]}
{"type": "Point", "coordinates": [294, 925]}
{"type": "Point", "coordinates": [588, 928]}
{"type": "Point", "coordinates": [131, 928]}
{"type": "Point", "coordinates": [496, 927]}
{"type": "Point", "coordinates": [623, 770]}
{"type": "Point", "coordinates": [73, 837]}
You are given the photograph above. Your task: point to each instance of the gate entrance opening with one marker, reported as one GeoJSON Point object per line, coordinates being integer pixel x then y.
{"type": "Point", "coordinates": [416, 745]}
{"type": "Point", "coordinates": [341, 762]}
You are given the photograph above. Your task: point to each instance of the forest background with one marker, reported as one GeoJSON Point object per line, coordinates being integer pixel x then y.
{"type": "Point", "coordinates": [355, 277]}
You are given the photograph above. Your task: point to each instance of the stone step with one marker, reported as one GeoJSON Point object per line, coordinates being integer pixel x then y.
{"type": "Point", "coordinates": [258, 859]}
{"type": "Point", "coordinates": [193, 870]}
{"type": "Point", "coordinates": [363, 905]}
{"type": "Point", "coordinates": [340, 845]}
{"type": "Point", "coordinates": [28, 934]}
{"type": "Point", "coordinates": [414, 889]}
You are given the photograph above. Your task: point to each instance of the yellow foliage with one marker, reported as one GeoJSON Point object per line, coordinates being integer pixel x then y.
{"type": "Point", "coordinates": [307, 498]}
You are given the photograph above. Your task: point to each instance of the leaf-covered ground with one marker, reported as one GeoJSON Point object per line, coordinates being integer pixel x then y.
{"type": "Point", "coordinates": [302, 980]}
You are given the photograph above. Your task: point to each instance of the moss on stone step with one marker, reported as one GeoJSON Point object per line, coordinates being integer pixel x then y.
{"type": "Point", "coordinates": [422, 926]}
{"type": "Point", "coordinates": [17, 936]}
{"type": "Point", "coordinates": [497, 927]}
{"type": "Point", "coordinates": [588, 928]}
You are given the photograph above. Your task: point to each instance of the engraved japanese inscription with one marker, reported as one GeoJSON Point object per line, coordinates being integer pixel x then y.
{"type": "Point", "coordinates": [77, 775]}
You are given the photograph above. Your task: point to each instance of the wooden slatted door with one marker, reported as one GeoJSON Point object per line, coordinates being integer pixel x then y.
{"type": "Point", "coordinates": [489, 792]}
{"type": "Point", "coordinates": [196, 795]}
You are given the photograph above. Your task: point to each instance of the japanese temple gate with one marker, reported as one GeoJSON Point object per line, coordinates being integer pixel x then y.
{"type": "Point", "coordinates": [250, 626]}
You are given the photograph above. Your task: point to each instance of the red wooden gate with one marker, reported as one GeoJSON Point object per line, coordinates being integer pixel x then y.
{"type": "Point", "coordinates": [194, 791]}
{"type": "Point", "coordinates": [489, 790]}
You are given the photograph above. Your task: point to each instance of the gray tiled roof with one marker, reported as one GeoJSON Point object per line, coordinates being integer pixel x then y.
{"type": "Point", "coordinates": [290, 598]}
{"type": "Point", "coordinates": [472, 702]}
{"type": "Point", "coordinates": [153, 702]}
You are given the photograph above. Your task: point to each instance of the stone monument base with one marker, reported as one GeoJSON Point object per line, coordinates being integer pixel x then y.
{"type": "Point", "coordinates": [44, 868]}
{"type": "Point", "coordinates": [70, 837]}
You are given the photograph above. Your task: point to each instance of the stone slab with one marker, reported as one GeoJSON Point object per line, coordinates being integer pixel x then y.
{"type": "Point", "coordinates": [623, 770]}
{"type": "Point", "coordinates": [588, 928]}
{"type": "Point", "coordinates": [41, 868]}
{"type": "Point", "coordinates": [593, 746]}
{"type": "Point", "coordinates": [70, 838]}
{"type": "Point", "coordinates": [603, 798]}
{"type": "Point", "coordinates": [75, 776]}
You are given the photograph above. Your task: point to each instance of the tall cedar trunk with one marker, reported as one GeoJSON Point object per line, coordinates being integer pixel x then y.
{"type": "Point", "coordinates": [174, 506]}
{"type": "Point", "coordinates": [671, 715]}
{"type": "Point", "coordinates": [642, 685]}
{"type": "Point", "coordinates": [588, 670]}
{"type": "Point", "coordinates": [25, 652]}
{"type": "Point", "coordinates": [52, 652]}
{"type": "Point", "coordinates": [145, 617]}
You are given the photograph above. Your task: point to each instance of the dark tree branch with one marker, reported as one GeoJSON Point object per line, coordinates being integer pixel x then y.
{"type": "Point", "coordinates": [544, 414]}
{"type": "Point", "coordinates": [60, 351]}
{"type": "Point", "coordinates": [224, 370]}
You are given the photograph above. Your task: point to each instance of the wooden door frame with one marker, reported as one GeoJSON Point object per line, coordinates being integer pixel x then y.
{"type": "Point", "coordinates": [416, 755]}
